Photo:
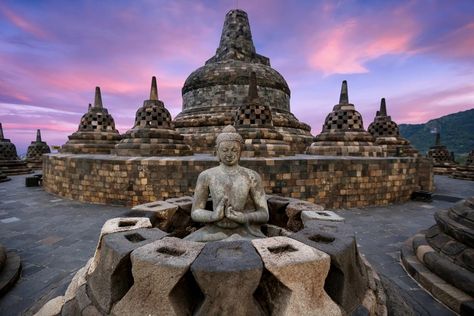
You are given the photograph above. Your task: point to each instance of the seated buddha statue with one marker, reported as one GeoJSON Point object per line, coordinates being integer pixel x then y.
{"type": "Point", "coordinates": [238, 197]}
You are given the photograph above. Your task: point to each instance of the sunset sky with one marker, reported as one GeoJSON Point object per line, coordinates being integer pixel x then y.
{"type": "Point", "coordinates": [419, 55]}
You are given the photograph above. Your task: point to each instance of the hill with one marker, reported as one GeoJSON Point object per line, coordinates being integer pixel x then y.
{"type": "Point", "coordinates": [457, 132]}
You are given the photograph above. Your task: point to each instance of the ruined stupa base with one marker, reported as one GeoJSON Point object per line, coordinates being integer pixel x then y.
{"type": "Point", "coordinates": [464, 172]}
{"type": "Point", "coordinates": [10, 267]}
{"type": "Point", "coordinates": [34, 164]}
{"type": "Point", "coordinates": [263, 142]}
{"type": "Point", "coordinates": [152, 142]}
{"type": "Point", "coordinates": [145, 271]}
{"type": "Point", "coordinates": [441, 258]}
{"type": "Point", "coordinates": [358, 144]}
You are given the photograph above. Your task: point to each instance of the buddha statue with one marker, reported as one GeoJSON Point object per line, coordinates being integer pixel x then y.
{"type": "Point", "coordinates": [238, 197]}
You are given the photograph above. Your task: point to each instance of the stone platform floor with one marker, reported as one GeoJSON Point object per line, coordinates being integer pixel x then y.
{"type": "Point", "coordinates": [55, 237]}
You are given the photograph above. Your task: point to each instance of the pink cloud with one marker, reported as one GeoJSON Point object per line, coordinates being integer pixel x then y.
{"type": "Point", "coordinates": [23, 24]}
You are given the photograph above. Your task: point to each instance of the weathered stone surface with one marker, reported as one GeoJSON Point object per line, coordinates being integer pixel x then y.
{"type": "Point", "coordinates": [333, 182]}
{"type": "Point", "coordinates": [112, 277]}
{"type": "Point", "coordinates": [10, 271]}
{"type": "Point", "coordinates": [34, 154]}
{"type": "Point", "coordinates": [115, 225]}
{"type": "Point", "coordinates": [301, 270]}
{"type": "Point", "coordinates": [320, 215]}
{"type": "Point", "coordinates": [441, 158]}
{"type": "Point", "coordinates": [160, 213]}
{"type": "Point", "coordinates": [218, 269]}
{"type": "Point", "coordinates": [77, 281]}
{"type": "Point", "coordinates": [162, 285]}
{"type": "Point", "coordinates": [52, 307]}
{"type": "Point", "coordinates": [346, 282]}
{"type": "Point", "coordinates": [293, 212]}
{"type": "Point", "coordinates": [10, 163]}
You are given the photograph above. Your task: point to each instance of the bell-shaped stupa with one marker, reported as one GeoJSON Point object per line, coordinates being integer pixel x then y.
{"type": "Point", "coordinates": [10, 163]}
{"type": "Point", "coordinates": [443, 162]}
{"type": "Point", "coordinates": [35, 152]}
{"type": "Point", "coordinates": [387, 133]}
{"type": "Point", "coordinates": [254, 123]}
{"type": "Point", "coordinates": [212, 93]}
{"type": "Point", "coordinates": [153, 133]}
{"type": "Point", "coordinates": [344, 134]}
{"type": "Point", "coordinates": [96, 133]}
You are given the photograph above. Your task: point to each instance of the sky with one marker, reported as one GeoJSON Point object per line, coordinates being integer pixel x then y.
{"type": "Point", "coordinates": [419, 55]}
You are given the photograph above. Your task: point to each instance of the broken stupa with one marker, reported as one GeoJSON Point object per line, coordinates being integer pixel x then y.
{"type": "Point", "coordinates": [212, 93]}
{"type": "Point", "coordinates": [153, 133]}
{"type": "Point", "coordinates": [96, 133]}
{"type": "Point", "coordinates": [387, 133]}
{"type": "Point", "coordinates": [10, 163]}
{"type": "Point", "coordinates": [34, 154]}
{"type": "Point", "coordinates": [343, 133]}
{"type": "Point", "coordinates": [309, 265]}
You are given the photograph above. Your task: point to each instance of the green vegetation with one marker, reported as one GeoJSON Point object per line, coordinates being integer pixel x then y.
{"type": "Point", "coordinates": [457, 133]}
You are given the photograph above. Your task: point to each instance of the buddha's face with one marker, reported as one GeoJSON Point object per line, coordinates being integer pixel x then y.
{"type": "Point", "coordinates": [228, 152]}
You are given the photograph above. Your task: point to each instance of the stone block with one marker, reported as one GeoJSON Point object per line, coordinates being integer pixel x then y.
{"type": "Point", "coordinates": [163, 284]}
{"type": "Point", "coordinates": [112, 277]}
{"type": "Point", "coordinates": [219, 268]}
{"type": "Point", "coordinates": [185, 203]}
{"type": "Point", "coordinates": [77, 281]}
{"type": "Point", "coordinates": [294, 284]}
{"type": "Point", "coordinates": [293, 211]}
{"type": "Point", "coordinates": [52, 307]}
{"type": "Point", "coordinates": [320, 216]}
{"type": "Point", "coordinates": [159, 213]}
{"type": "Point", "coordinates": [115, 225]}
{"type": "Point", "coordinates": [347, 280]}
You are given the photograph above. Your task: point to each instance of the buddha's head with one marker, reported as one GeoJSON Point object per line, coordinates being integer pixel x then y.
{"type": "Point", "coordinates": [229, 146]}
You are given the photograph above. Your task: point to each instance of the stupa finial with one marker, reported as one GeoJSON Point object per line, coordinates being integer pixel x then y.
{"type": "Point", "coordinates": [383, 108]}
{"type": "Point", "coordinates": [438, 139]}
{"type": "Point", "coordinates": [90, 105]}
{"type": "Point", "coordinates": [253, 92]}
{"type": "Point", "coordinates": [236, 36]}
{"type": "Point", "coordinates": [98, 98]}
{"type": "Point", "coordinates": [154, 89]}
{"type": "Point", "coordinates": [344, 98]}
{"type": "Point", "coordinates": [1, 132]}
{"type": "Point", "coordinates": [38, 135]}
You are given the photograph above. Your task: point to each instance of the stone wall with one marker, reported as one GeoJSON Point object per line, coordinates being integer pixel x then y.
{"type": "Point", "coordinates": [334, 182]}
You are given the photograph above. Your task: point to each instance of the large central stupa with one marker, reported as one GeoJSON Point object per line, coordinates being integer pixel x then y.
{"type": "Point", "coordinates": [213, 93]}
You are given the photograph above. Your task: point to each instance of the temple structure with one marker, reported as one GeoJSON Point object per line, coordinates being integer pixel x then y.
{"type": "Point", "coordinates": [212, 93]}
{"type": "Point", "coordinates": [10, 163]}
{"type": "Point", "coordinates": [443, 160]}
{"type": "Point", "coordinates": [387, 133]}
{"type": "Point", "coordinates": [96, 133]}
{"type": "Point", "coordinates": [441, 258]}
{"type": "Point", "coordinates": [153, 133]}
{"type": "Point", "coordinates": [254, 123]}
{"type": "Point", "coordinates": [34, 155]}
{"type": "Point", "coordinates": [466, 171]}
{"type": "Point", "coordinates": [343, 133]}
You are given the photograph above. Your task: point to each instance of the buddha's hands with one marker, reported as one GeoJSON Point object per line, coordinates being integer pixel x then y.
{"type": "Point", "coordinates": [219, 212]}
{"type": "Point", "coordinates": [235, 216]}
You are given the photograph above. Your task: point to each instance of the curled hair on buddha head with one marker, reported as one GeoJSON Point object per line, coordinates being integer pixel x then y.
{"type": "Point", "coordinates": [228, 134]}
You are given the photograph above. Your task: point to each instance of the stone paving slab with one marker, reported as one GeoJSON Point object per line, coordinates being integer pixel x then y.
{"type": "Point", "coordinates": [55, 237]}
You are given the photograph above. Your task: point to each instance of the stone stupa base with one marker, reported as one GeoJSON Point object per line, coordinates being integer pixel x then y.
{"type": "Point", "coordinates": [263, 142]}
{"type": "Point", "coordinates": [14, 167]}
{"type": "Point", "coordinates": [446, 168]}
{"type": "Point", "coordinates": [152, 142]}
{"type": "Point", "coordinates": [34, 164]}
{"type": "Point", "coordinates": [464, 173]}
{"type": "Point", "coordinates": [397, 147]}
{"type": "Point", "coordinates": [91, 143]}
{"type": "Point", "coordinates": [357, 149]}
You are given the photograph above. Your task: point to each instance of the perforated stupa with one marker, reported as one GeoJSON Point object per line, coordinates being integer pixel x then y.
{"type": "Point", "coordinates": [443, 162]}
{"type": "Point", "coordinates": [96, 133]}
{"type": "Point", "coordinates": [10, 163]}
{"type": "Point", "coordinates": [387, 133]}
{"type": "Point", "coordinates": [153, 133]}
{"type": "Point", "coordinates": [344, 134]}
{"type": "Point", "coordinates": [35, 152]}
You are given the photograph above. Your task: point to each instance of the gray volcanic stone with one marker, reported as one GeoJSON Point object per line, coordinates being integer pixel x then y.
{"type": "Point", "coordinates": [113, 277]}
{"type": "Point", "coordinates": [300, 272]}
{"type": "Point", "coordinates": [221, 266]}
{"type": "Point", "coordinates": [347, 279]}
{"type": "Point", "coordinates": [162, 284]}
